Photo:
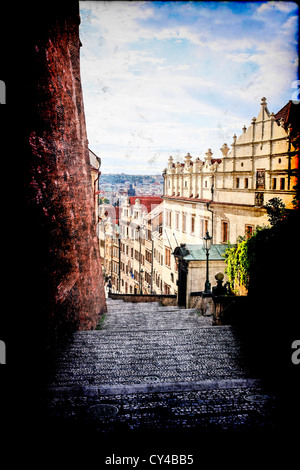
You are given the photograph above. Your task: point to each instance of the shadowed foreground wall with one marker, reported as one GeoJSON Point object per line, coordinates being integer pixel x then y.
{"type": "Point", "coordinates": [64, 286]}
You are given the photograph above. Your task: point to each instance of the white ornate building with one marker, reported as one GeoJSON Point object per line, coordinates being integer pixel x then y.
{"type": "Point", "coordinates": [222, 194]}
{"type": "Point", "coordinates": [225, 194]}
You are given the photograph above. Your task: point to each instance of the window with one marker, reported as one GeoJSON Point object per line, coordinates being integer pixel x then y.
{"type": "Point", "coordinates": [246, 183]}
{"type": "Point", "coordinates": [274, 183]}
{"type": "Point", "coordinates": [237, 183]}
{"type": "Point", "coordinates": [192, 224]}
{"type": "Point", "coordinates": [260, 179]}
{"type": "Point", "coordinates": [148, 256]}
{"type": "Point", "coordinates": [282, 183]}
{"type": "Point", "coordinates": [168, 257]}
{"type": "Point", "coordinates": [203, 227]}
{"type": "Point", "coordinates": [183, 222]}
{"type": "Point", "coordinates": [224, 234]}
{"type": "Point", "coordinates": [167, 289]}
{"type": "Point", "coordinates": [169, 219]}
{"type": "Point", "coordinates": [177, 221]}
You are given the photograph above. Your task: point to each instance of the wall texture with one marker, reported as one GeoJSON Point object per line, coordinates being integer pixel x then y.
{"type": "Point", "coordinates": [64, 286]}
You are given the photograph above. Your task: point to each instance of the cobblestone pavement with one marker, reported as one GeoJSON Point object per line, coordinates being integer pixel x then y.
{"type": "Point", "coordinates": [157, 368]}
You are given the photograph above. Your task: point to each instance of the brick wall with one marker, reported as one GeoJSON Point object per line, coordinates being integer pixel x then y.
{"type": "Point", "coordinates": [64, 283]}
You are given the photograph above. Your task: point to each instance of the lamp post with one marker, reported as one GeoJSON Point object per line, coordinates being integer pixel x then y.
{"type": "Point", "coordinates": [139, 228]}
{"type": "Point", "coordinates": [207, 245]}
{"type": "Point", "coordinates": [141, 281]}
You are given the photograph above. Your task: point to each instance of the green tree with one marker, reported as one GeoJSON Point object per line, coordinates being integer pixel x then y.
{"type": "Point", "coordinates": [276, 211]}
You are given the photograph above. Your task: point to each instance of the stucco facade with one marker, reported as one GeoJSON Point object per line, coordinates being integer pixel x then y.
{"type": "Point", "coordinates": [226, 194]}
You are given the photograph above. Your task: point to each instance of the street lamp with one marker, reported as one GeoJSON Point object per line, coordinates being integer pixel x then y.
{"type": "Point", "coordinates": [207, 245]}
{"type": "Point", "coordinates": [141, 281]}
{"type": "Point", "coordinates": [139, 228]}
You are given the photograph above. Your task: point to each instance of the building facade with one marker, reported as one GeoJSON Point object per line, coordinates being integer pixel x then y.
{"type": "Point", "coordinates": [127, 235]}
{"type": "Point", "coordinates": [224, 196]}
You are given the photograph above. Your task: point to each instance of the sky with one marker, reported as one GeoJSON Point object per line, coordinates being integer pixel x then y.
{"type": "Point", "coordinates": [163, 78]}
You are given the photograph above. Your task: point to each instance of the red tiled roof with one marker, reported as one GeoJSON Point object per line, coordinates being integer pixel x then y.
{"type": "Point", "coordinates": [150, 202]}
{"type": "Point", "coordinates": [289, 113]}
{"type": "Point", "coordinates": [284, 112]}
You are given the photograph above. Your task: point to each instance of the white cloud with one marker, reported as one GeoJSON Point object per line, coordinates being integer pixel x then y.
{"type": "Point", "coordinates": [184, 86]}
{"type": "Point", "coordinates": [282, 6]}
{"type": "Point", "coordinates": [292, 24]}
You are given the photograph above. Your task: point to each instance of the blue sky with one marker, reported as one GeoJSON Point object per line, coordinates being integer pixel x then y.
{"type": "Point", "coordinates": [167, 78]}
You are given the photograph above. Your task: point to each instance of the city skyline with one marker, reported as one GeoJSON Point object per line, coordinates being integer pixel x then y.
{"type": "Point", "coordinates": [167, 78]}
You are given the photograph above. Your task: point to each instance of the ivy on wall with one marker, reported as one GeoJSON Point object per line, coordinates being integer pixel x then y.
{"type": "Point", "coordinates": [241, 258]}
{"type": "Point", "coordinates": [245, 257]}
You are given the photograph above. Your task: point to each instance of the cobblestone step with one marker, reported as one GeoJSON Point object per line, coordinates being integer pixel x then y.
{"type": "Point", "coordinates": [133, 357]}
{"type": "Point", "coordinates": [217, 406]}
{"type": "Point", "coordinates": [152, 367]}
{"type": "Point", "coordinates": [152, 316]}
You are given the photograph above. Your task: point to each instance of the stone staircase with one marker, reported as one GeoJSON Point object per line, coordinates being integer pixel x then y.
{"type": "Point", "coordinates": [153, 368]}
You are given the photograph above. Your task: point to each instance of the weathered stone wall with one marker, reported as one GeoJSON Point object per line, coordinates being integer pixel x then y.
{"type": "Point", "coordinates": [65, 287]}
{"type": "Point", "coordinates": [135, 298]}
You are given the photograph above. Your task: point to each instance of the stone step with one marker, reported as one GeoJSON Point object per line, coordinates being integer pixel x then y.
{"type": "Point", "coordinates": [135, 357]}
{"type": "Point", "coordinates": [154, 368]}
{"type": "Point", "coordinates": [151, 316]}
{"type": "Point", "coordinates": [221, 406]}
{"type": "Point", "coordinates": [154, 320]}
